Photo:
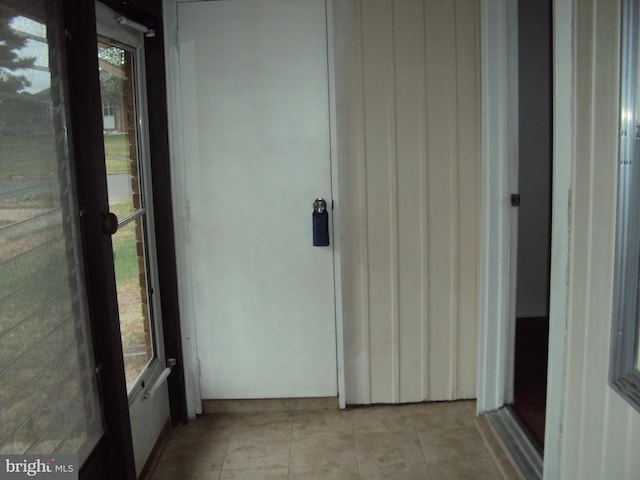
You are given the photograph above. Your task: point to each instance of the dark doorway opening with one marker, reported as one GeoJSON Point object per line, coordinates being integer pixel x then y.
{"type": "Point", "coordinates": [534, 213]}
{"type": "Point", "coordinates": [530, 382]}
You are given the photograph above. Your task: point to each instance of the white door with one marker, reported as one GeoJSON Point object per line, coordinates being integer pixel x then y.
{"type": "Point", "coordinates": [255, 106]}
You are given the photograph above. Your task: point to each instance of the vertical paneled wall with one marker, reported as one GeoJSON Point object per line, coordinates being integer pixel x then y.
{"type": "Point", "coordinates": [407, 88]}
{"type": "Point", "coordinates": [599, 431]}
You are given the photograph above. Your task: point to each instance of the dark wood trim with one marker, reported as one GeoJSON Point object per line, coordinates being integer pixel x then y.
{"type": "Point", "coordinates": [147, 12]}
{"type": "Point", "coordinates": [165, 235]}
{"type": "Point", "coordinates": [86, 133]}
{"type": "Point", "coordinates": [94, 466]}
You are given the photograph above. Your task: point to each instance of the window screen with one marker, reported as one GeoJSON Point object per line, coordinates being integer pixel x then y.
{"type": "Point", "coordinates": [48, 396]}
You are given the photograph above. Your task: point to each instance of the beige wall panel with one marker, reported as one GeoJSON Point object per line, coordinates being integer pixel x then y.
{"type": "Point", "coordinates": [600, 431]}
{"type": "Point", "coordinates": [412, 196]}
{"type": "Point", "coordinates": [468, 122]}
{"type": "Point", "coordinates": [381, 206]}
{"type": "Point", "coordinates": [583, 277]}
{"type": "Point", "coordinates": [576, 331]}
{"type": "Point", "coordinates": [442, 154]}
{"type": "Point", "coordinates": [407, 125]}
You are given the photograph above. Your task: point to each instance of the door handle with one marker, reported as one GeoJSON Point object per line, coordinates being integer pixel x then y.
{"type": "Point", "coordinates": [109, 223]}
{"type": "Point", "coordinates": [320, 220]}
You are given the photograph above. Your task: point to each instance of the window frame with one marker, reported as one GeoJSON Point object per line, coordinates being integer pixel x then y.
{"type": "Point", "coordinates": [110, 31]}
{"type": "Point", "coordinates": [624, 376]}
{"type": "Point", "coordinates": [71, 287]}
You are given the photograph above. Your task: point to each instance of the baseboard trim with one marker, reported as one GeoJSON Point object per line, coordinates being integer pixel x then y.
{"type": "Point", "coordinates": [516, 441]}
{"type": "Point", "coordinates": [499, 455]}
{"type": "Point", "coordinates": [269, 405]}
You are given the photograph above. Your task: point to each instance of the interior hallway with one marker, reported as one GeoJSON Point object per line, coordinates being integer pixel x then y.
{"type": "Point", "coordinates": [419, 441]}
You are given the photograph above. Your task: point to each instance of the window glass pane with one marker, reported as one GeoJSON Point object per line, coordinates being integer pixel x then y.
{"type": "Point", "coordinates": [634, 185]}
{"type": "Point", "coordinates": [120, 145]}
{"type": "Point", "coordinates": [133, 306]}
{"type": "Point", "coordinates": [48, 395]}
{"type": "Point", "coordinates": [638, 343]}
{"type": "Point", "coordinates": [126, 199]}
{"type": "Point", "coordinates": [624, 375]}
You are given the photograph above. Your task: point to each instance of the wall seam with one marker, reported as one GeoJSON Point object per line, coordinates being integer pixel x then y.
{"type": "Point", "coordinates": [424, 250]}
{"type": "Point", "coordinates": [426, 391]}
{"type": "Point", "coordinates": [366, 294]}
{"type": "Point", "coordinates": [455, 181]}
{"type": "Point", "coordinates": [393, 188]}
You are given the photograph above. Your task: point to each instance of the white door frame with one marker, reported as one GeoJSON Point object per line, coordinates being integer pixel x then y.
{"type": "Point", "coordinates": [497, 282]}
{"type": "Point", "coordinates": [181, 209]}
{"type": "Point", "coordinates": [562, 174]}
{"type": "Point", "coordinates": [499, 75]}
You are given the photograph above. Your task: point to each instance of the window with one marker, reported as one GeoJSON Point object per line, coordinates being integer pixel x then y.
{"type": "Point", "coordinates": [107, 109]}
{"type": "Point", "coordinates": [122, 86]}
{"type": "Point", "coordinates": [48, 390]}
{"type": "Point", "coordinates": [624, 367]}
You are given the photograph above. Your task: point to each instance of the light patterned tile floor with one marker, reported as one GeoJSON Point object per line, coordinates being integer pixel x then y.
{"type": "Point", "coordinates": [430, 441]}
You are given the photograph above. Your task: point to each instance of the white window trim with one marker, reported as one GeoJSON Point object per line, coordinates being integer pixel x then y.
{"type": "Point", "coordinates": [624, 376]}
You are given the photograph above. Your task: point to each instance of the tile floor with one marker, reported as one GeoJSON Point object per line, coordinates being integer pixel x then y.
{"type": "Point", "coordinates": [420, 441]}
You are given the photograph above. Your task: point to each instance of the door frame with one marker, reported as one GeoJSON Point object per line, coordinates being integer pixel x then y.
{"type": "Point", "coordinates": [116, 452]}
{"type": "Point", "coordinates": [114, 458]}
{"type": "Point", "coordinates": [181, 208]}
{"type": "Point", "coordinates": [151, 16]}
{"type": "Point", "coordinates": [147, 414]}
{"type": "Point", "coordinates": [498, 238]}
{"type": "Point", "coordinates": [497, 242]}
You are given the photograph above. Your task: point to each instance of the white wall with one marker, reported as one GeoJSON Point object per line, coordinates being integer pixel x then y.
{"type": "Point", "coordinates": [534, 144]}
{"type": "Point", "coordinates": [408, 101]}
{"type": "Point", "coordinates": [591, 431]}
